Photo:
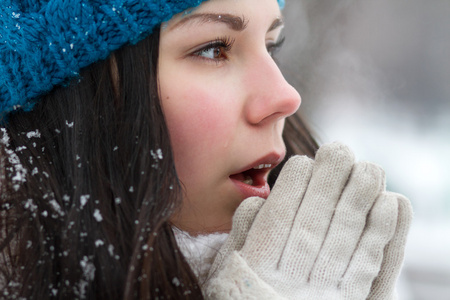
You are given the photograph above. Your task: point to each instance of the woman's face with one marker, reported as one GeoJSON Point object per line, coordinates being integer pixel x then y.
{"type": "Point", "coordinates": [225, 102]}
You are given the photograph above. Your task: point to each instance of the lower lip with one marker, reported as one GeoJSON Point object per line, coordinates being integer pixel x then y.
{"type": "Point", "coordinates": [247, 191]}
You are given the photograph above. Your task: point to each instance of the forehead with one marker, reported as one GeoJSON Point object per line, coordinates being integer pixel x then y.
{"type": "Point", "coordinates": [234, 22]}
{"type": "Point", "coordinates": [235, 14]}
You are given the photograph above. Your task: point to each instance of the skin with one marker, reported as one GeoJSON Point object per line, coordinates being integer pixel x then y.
{"type": "Point", "coordinates": [225, 105]}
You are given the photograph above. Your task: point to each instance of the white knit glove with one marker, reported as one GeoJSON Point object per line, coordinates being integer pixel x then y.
{"type": "Point", "coordinates": [321, 234]}
{"type": "Point", "coordinates": [384, 285]}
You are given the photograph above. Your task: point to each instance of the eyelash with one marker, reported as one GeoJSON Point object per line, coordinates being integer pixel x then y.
{"type": "Point", "coordinates": [275, 47]}
{"type": "Point", "coordinates": [226, 43]}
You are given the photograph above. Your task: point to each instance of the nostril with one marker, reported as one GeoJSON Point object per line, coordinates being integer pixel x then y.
{"type": "Point", "coordinates": [276, 110]}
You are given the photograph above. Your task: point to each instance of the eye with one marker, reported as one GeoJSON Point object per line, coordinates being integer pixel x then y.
{"type": "Point", "coordinates": [273, 48]}
{"type": "Point", "coordinates": [215, 50]}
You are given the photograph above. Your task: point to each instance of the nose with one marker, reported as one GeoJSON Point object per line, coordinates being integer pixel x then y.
{"type": "Point", "coordinates": [270, 97]}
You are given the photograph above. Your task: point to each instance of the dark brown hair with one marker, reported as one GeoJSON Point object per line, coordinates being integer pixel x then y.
{"type": "Point", "coordinates": [88, 186]}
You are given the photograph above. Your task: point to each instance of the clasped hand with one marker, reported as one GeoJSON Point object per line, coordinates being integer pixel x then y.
{"type": "Point", "coordinates": [328, 230]}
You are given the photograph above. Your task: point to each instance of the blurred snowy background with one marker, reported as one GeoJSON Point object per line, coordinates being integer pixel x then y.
{"type": "Point", "coordinates": [376, 76]}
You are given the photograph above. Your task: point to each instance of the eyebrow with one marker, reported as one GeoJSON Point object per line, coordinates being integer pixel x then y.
{"type": "Point", "coordinates": [278, 22]}
{"type": "Point", "coordinates": [234, 22]}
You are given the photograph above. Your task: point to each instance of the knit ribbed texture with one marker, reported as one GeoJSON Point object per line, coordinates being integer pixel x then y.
{"type": "Point", "coordinates": [44, 43]}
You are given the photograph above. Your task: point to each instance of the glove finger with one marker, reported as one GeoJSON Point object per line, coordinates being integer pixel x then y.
{"type": "Point", "coordinates": [272, 225]}
{"type": "Point", "coordinates": [347, 225]}
{"type": "Point", "coordinates": [384, 285]}
{"type": "Point", "coordinates": [332, 168]}
{"type": "Point", "coordinates": [366, 260]}
{"type": "Point", "coordinates": [242, 221]}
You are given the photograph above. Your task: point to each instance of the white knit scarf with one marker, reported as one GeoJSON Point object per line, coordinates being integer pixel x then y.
{"type": "Point", "coordinates": [200, 250]}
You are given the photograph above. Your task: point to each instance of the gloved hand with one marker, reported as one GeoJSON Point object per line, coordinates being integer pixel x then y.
{"type": "Point", "coordinates": [321, 234]}
{"type": "Point", "coordinates": [384, 285]}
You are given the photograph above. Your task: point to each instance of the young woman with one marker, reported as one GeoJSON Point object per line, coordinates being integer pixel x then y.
{"type": "Point", "coordinates": [126, 120]}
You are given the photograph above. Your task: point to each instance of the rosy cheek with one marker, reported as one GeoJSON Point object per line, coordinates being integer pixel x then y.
{"type": "Point", "coordinates": [198, 120]}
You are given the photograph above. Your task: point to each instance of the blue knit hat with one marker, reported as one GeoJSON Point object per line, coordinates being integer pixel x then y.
{"type": "Point", "coordinates": [45, 42]}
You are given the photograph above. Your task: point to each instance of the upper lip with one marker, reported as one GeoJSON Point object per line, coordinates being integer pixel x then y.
{"type": "Point", "coordinates": [273, 159]}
